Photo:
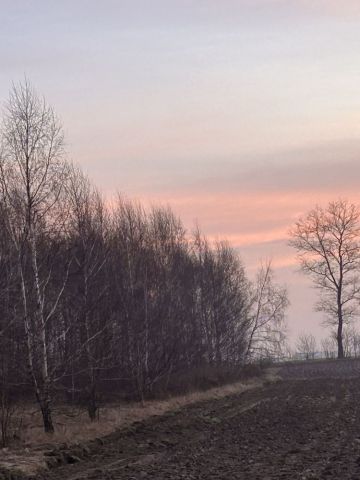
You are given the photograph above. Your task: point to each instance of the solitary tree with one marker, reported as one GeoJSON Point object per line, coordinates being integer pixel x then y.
{"type": "Point", "coordinates": [327, 242]}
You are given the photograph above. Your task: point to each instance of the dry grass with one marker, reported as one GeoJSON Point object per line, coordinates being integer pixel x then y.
{"type": "Point", "coordinates": [26, 460]}
{"type": "Point", "coordinates": [73, 426]}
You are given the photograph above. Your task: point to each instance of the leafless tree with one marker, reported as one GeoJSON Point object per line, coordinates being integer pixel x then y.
{"type": "Point", "coordinates": [354, 341]}
{"type": "Point", "coordinates": [150, 264]}
{"type": "Point", "coordinates": [87, 287]}
{"type": "Point", "coordinates": [222, 300]}
{"type": "Point", "coordinates": [327, 242]}
{"type": "Point", "coordinates": [306, 345]}
{"type": "Point", "coordinates": [119, 301]}
{"type": "Point", "coordinates": [129, 255]}
{"type": "Point", "coordinates": [32, 174]}
{"type": "Point", "coordinates": [268, 304]}
{"type": "Point", "coordinates": [328, 346]}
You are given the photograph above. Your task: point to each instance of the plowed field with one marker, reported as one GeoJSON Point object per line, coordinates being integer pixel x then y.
{"type": "Point", "coordinates": [306, 426]}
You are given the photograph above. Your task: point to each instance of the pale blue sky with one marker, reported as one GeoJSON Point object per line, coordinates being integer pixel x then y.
{"type": "Point", "coordinates": [240, 114]}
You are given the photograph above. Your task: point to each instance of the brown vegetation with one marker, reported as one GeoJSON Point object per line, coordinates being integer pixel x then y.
{"type": "Point", "coordinates": [101, 303]}
{"type": "Point", "coordinates": [305, 426]}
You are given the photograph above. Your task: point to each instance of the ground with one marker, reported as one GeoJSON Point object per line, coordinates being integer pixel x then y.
{"type": "Point", "coordinates": [304, 426]}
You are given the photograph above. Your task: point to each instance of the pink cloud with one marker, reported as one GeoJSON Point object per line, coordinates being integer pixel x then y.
{"type": "Point", "coordinates": [248, 217]}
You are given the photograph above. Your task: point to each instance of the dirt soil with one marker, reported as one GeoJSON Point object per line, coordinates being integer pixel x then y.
{"type": "Point", "coordinates": [306, 426]}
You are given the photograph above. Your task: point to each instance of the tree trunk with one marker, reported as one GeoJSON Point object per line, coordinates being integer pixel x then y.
{"type": "Point", "coordinates": [339, 336]}
{"type": "Point", "coordinates": [46, 415]}
{"type": "Point", "coordinates": [92, 406]}
{"type": "Point", "coordinates": [340, 340]}
{"type": "Point", "coordinates": [41, 347]}
{"type": "Point", "coordinates": [218, 346]}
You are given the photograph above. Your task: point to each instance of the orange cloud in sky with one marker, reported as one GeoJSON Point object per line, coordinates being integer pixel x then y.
{"type": "Point", "coordinates": [255, 223]}
{"type": "Point", "coordinates": [253, 238]}
{"type": "Point", "coordinates": [248, 216]}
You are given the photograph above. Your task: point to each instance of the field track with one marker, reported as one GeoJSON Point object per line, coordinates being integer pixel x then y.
{"type": "Point", "coordinates": [306, 426]}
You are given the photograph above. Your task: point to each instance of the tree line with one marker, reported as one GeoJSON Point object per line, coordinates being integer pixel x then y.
{"type": "Point", "coordinates": [307, 347]}
{"type": "Point", "coordinates": [98, 298]}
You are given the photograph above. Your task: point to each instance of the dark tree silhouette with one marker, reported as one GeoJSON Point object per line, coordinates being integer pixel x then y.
{"type": "Point", "coordinates": [327, 242]}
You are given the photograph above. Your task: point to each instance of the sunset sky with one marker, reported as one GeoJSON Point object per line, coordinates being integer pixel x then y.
{"type": "Point", "coordinates": [241, 115]}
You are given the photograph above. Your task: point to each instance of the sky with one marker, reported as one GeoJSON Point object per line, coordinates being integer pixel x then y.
{"type": "Point", "coordinates": [240, 115]}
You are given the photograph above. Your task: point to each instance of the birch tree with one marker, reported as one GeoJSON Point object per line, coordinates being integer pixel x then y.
{"type": "Point", "coordinates": [32, 175]}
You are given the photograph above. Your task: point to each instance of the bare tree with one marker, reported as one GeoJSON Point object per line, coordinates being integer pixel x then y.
{"type": "Point", "coordinates": [351, 340]}
{"type": "Point", "coordinates": [327, 242]}
{"type": "Point", "coordinates": [328, 346]}
{"type": "Point", "coordinates": [222, 300]}
{"type": "Point", "coordinates": [88, 288]}
{"type": "Point", "coordinates": [97, 301]}
{"type": "Point", "coordinates": [266, 328]}
{"type": "Point", "coordinates": [32, 174]}
{"type": "Point", "coordinates": [354, 341]}
{"type": "Point", "coordinates": [306, 345]}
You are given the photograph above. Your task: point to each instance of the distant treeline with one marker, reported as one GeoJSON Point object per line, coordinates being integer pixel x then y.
{"type": "Point", "coordinates": [97, 298]}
